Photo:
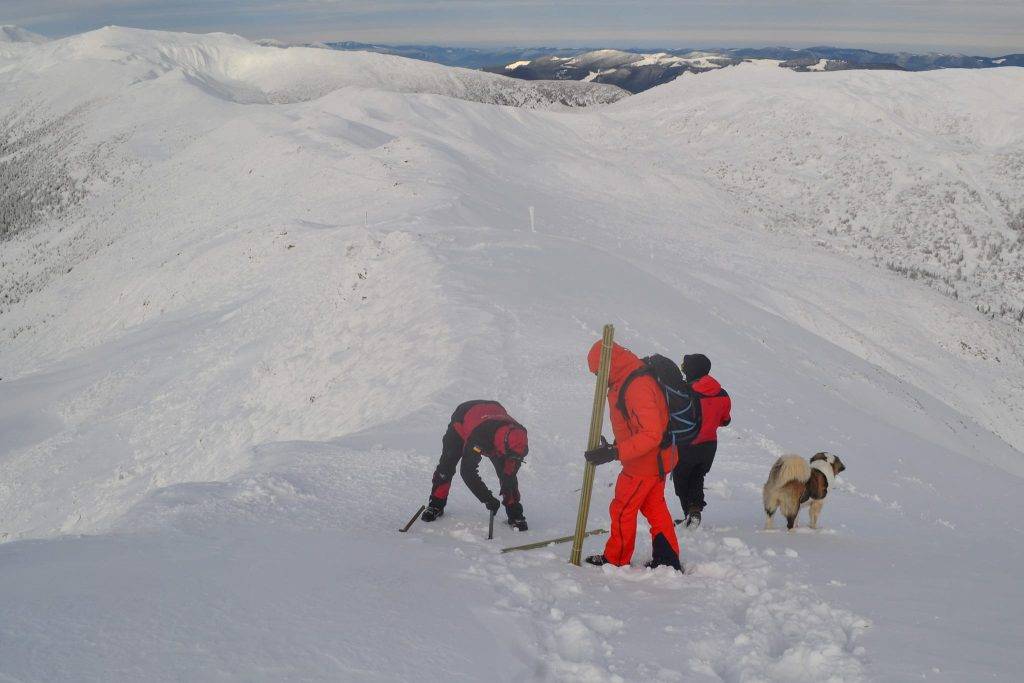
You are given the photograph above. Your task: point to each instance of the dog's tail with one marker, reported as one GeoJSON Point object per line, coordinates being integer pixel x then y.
{"type": "Point", "coordinates": [789, 468]}
{"type": "Point", "coordinates": [785, 486]}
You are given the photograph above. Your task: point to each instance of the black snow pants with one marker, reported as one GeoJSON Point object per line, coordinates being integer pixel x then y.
{"type": "Point", "coordinates": [688, 474]}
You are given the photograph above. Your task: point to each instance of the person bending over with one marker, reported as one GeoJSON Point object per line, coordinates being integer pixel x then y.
{"type": "Point", "coordinates": [481, 429]}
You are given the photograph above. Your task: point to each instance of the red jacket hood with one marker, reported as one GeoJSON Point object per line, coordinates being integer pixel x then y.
{"type": "Point", "coordinates": [624, 362]}
{"type": "Point", "coordinates": [707, 385]}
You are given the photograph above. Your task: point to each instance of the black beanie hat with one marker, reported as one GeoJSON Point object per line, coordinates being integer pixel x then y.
{"type": "Point", "coordinates": [696, 366]}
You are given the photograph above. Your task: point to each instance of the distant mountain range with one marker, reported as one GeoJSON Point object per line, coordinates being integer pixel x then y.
{"type": "Point", "coordinates": [16, 34]}
{"type": "Point", "coordinates": [630, 71]}
{"type": "Point", "coordinates": [637, 70]}
{"type": "Point", "coordinates": [466, 57]}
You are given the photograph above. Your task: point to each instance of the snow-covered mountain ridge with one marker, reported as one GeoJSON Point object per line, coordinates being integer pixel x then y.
{"type": "Point", "coordinates": [632, 71]}
{"type": "Point", "coordinates": [230, 359]}
{"type": "Point", "coordinates": [237, 69]}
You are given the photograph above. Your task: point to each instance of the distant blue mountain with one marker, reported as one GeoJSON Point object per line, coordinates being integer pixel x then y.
{"type": "Point", "coordinates": [639, 69]}
{"type": "Point", "coordinates": [865, 58]}
{"type": "Point", "coordinates": [467, 57]}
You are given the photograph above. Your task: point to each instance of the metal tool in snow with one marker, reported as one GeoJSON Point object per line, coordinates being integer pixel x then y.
{"type": "Point", "coordinates": [414, 518]}
{"type": "Point", "coordinates": [490, 526]}
{"type": "Point", "coordinates": [596, 421]}
{"type": "Point", "coordinates": [562, 539]}
{"type": "Point", "coordinates": [551, 541]}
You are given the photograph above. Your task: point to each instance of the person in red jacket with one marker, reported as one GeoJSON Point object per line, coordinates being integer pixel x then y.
{"type": "Point", "coordinates": [696, 458]}
{"type": "Point", "coordinates": [641, 484]}
{"type": "Point", "coordinates": [481, 428]}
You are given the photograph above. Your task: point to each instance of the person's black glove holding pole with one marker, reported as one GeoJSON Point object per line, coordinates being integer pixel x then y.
{"type": "Point", "coordinates": [604, 453]}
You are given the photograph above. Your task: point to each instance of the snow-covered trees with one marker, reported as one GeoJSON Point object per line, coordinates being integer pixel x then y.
{"type": "Point", "coordinates": [36, 178]}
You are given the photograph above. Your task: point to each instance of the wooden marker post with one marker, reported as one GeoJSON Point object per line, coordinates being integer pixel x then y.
{"type": "Point", "coordinates": [594, 440]}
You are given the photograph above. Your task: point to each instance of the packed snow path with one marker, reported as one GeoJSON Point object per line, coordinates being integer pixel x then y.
{"type": "Point", "coordinates": [234, 366]}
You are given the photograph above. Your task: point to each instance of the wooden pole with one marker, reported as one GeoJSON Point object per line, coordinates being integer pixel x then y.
{"type": "Point", "coordinates": [594, 440]}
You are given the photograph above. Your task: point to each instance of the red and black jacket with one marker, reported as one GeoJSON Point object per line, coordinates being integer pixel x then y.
{"type": "Point", "coordinates": [486, 428]}
{"type": "Point", "coordinates": [715, 408]}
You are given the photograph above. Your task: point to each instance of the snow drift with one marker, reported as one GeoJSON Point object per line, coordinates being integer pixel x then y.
{"type": "Point", "coordinates": [225, 369]}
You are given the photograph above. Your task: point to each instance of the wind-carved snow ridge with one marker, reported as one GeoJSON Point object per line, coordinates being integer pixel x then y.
{"type": "Point", "coordinates": [285, 369]}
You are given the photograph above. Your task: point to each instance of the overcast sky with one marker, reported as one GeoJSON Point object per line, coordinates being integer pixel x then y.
{"type": "Point", "coordinates": [985, 27]}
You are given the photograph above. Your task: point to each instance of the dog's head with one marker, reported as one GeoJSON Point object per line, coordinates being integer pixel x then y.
{"type": "Point", "coordinates": [837, 464]}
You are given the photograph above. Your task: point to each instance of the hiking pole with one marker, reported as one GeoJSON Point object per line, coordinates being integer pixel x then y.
{"type": "Point", "coordinates": [414, 518]}
{"type": "Point", "coordinates": [490, 526]}
{"type": "Point", "coordinates": [550, 541]}
{"type": "Point", "coordinates": [611, 484]}
{"type": "Point", "coordinates": [596, 420]}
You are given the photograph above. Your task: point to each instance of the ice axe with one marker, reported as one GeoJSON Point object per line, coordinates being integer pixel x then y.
{"type": "Point", "coordinates": [490, 525]}
{"type": "Point", "coordinates": [414, 518]}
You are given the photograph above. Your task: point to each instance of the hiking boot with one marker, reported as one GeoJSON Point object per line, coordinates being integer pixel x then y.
{"type": "Point", "coordinates": [518, 523]}
{"type": "Point", "coordinates": [654, 564]}
{"type": "Point", "coordinates": [431, 513]}
{"type": "Point", "coordinates": [693, 519]}
{"type": "Point", "coordinates": [597, 560]}
{"type": "Point", "coordinates": [663, 554]}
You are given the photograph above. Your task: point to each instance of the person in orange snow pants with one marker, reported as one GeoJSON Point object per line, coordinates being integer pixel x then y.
{"type": "Point", "coordinates": [639, 419]}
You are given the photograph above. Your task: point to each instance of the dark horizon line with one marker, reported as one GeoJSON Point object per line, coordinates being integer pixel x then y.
{"type": "Point", "coordinates": [625, 47]}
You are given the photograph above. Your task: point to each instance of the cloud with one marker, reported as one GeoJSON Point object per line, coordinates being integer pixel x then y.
{"type": "Point", "coordinates": [981, 26]}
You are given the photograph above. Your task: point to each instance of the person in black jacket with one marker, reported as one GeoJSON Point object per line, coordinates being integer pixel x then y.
{"type": "Point", "coordinates": [481, 429]}
{"type": "Point", "coordinates": [696, 458]}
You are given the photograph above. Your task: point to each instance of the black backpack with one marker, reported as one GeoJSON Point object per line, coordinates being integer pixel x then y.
{"type": "Point", "coordinates": [683, 404]}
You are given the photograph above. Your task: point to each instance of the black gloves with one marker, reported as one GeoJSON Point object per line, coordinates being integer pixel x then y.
{"type": "Point", "coordinates": [602, 454]}
{"type": "Point", "coordinates": [493, 504]}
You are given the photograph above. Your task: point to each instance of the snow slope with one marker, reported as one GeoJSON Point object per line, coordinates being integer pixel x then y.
{"type": "Point", "coordinates": [226, 368]}
{"type": "Point", "coordinates": [14, 40]}
{"type": "Point", "coordinates": [932, 191]}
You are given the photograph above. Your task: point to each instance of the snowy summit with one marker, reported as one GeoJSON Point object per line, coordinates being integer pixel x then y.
{"type": "Point", "coordinates": [244, 287]}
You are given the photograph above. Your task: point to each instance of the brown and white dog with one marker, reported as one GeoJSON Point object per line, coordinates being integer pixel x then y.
{"type": "Point", "coordinates": [794, 482]}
